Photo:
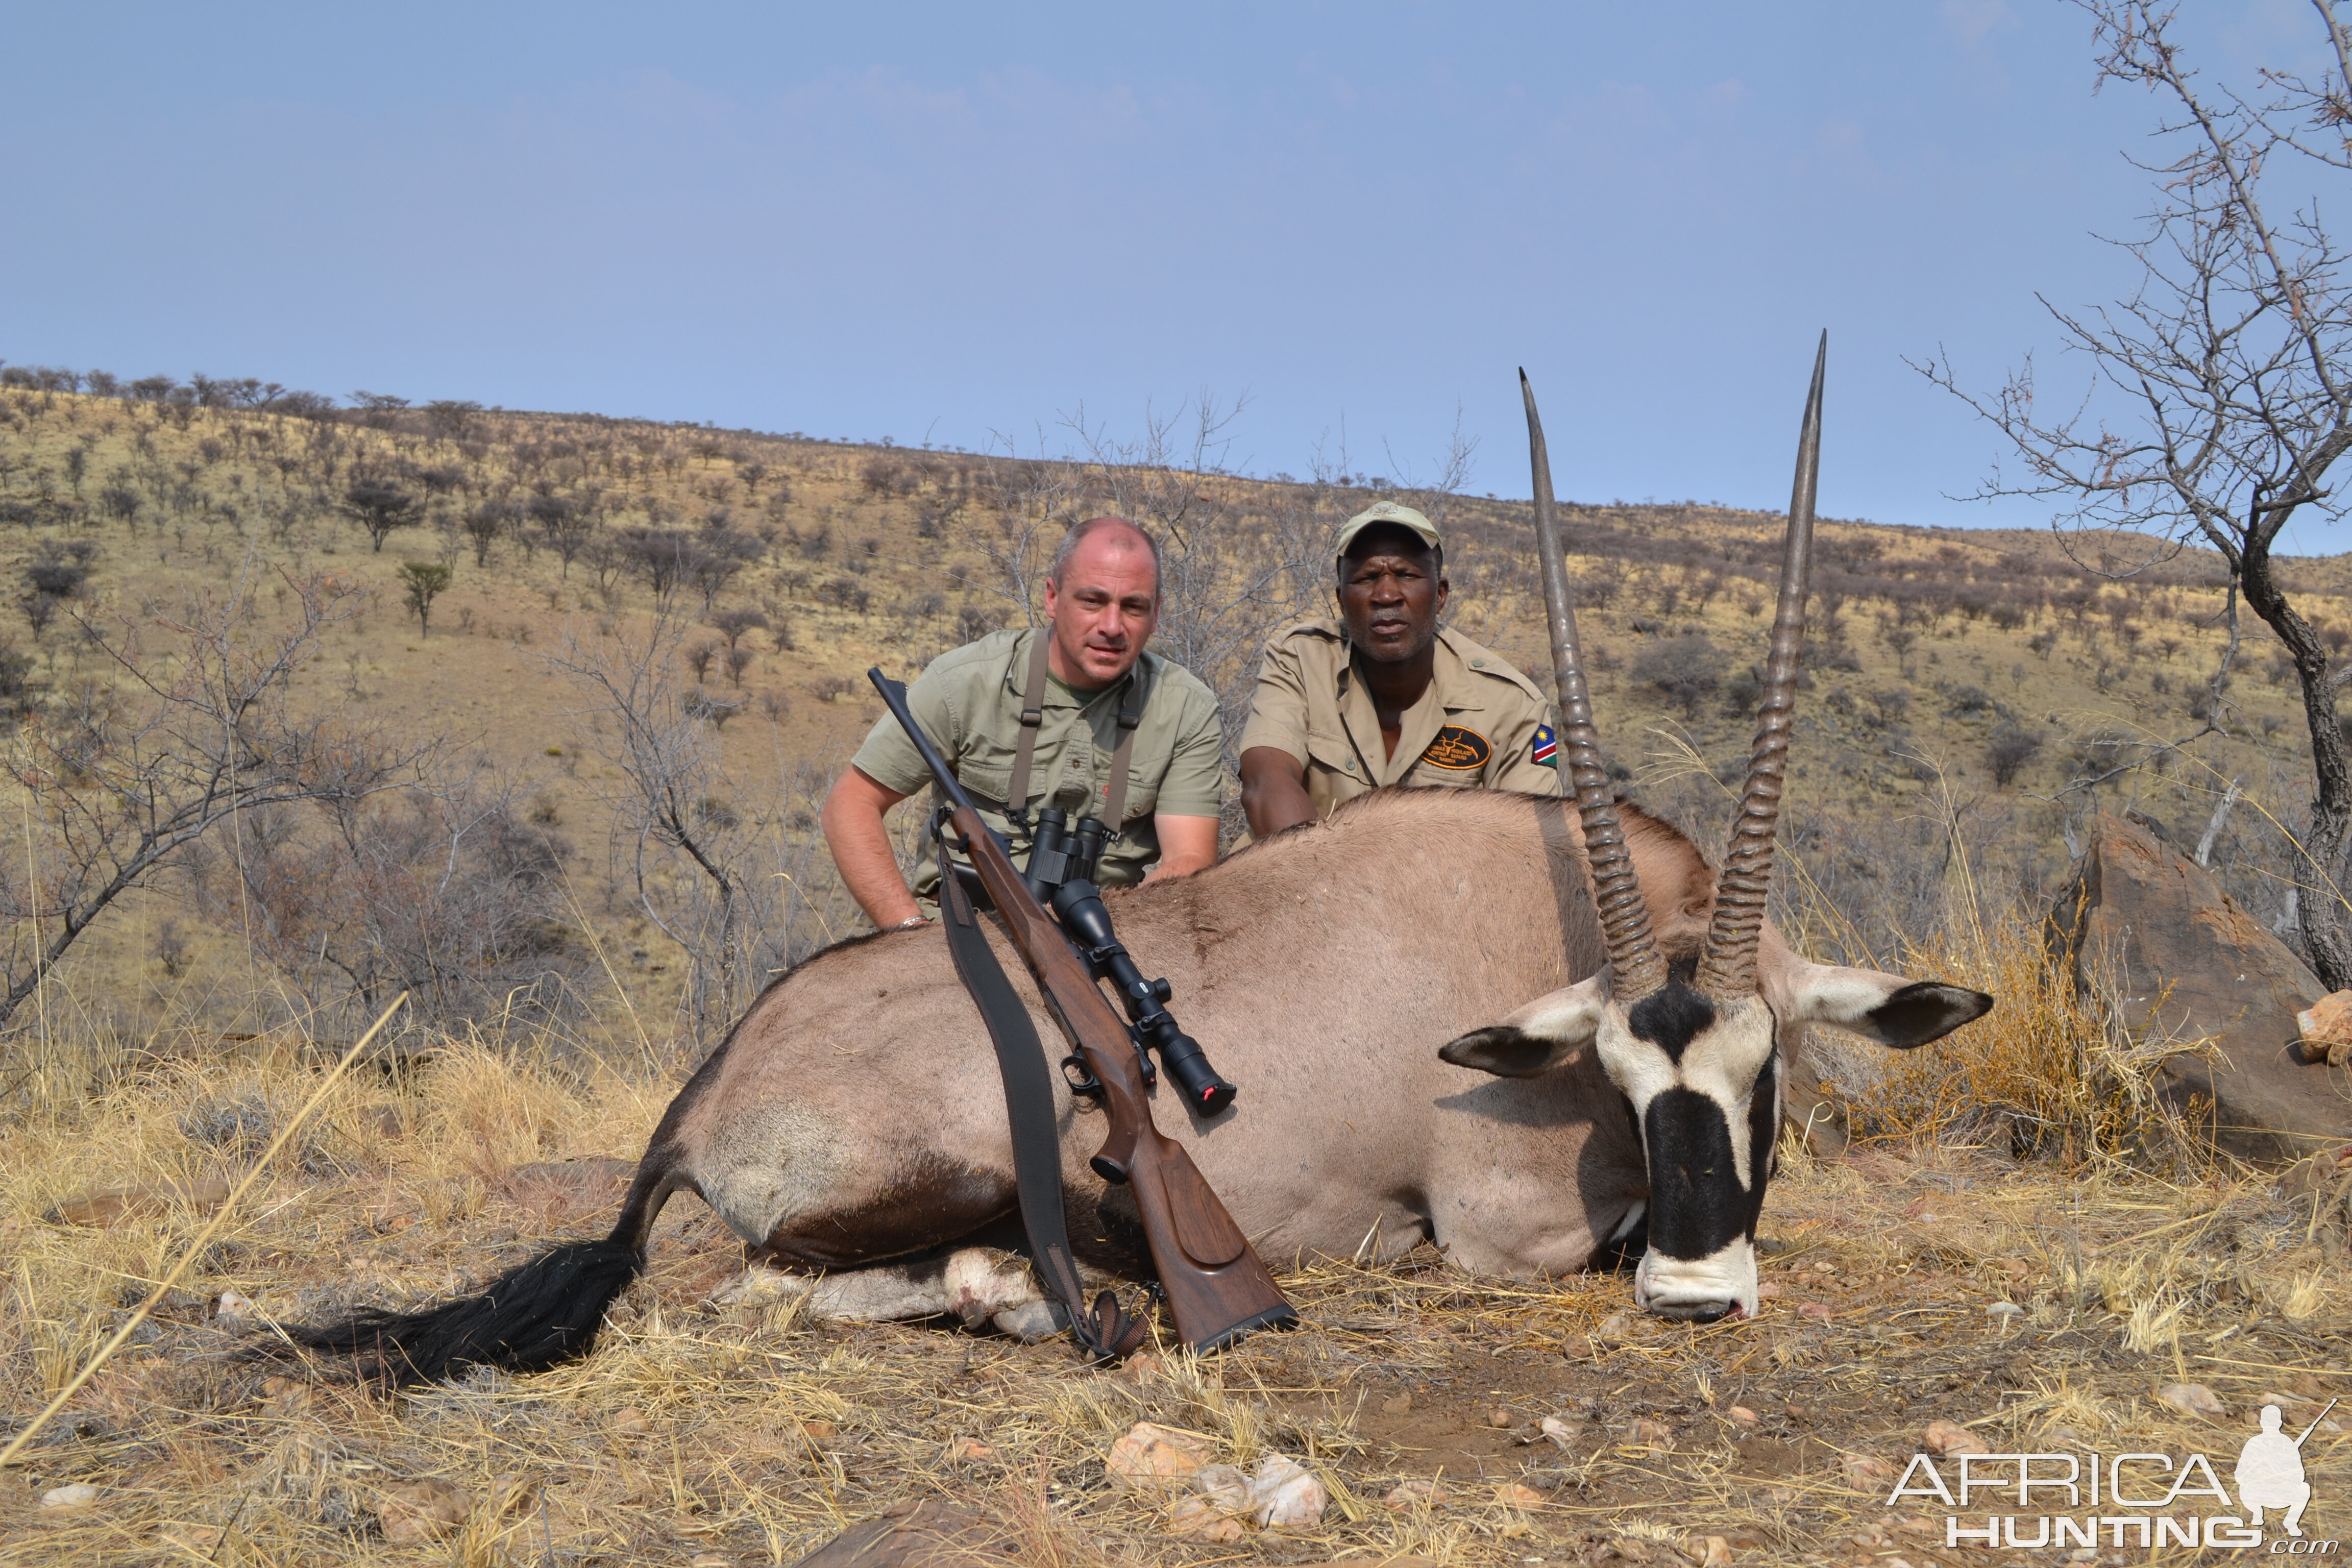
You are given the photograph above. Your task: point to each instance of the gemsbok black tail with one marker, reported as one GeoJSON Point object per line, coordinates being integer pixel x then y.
{"type": "Point", "coordinates": [535, 1316]}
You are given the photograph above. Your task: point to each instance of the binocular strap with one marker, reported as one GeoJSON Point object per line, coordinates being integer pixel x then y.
{"type": "Point", "coordinates": [1033, 715]}
{"type": "Point", "coordinates": [1106, 1331]}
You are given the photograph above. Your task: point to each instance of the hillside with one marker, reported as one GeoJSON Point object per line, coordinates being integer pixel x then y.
{"type": "Point", "coordinates": [1958, 682]}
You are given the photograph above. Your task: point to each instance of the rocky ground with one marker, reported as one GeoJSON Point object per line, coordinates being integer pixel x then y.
{"type": "Point", "coordinates": [1418, 1414]}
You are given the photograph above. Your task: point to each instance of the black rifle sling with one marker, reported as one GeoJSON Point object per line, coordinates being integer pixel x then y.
{"type": "Point", "coordinates": [1036, 1144]}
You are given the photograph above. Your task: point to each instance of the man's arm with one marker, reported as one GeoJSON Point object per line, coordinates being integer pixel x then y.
{"type": "Point", "coordinates": [1274, 791]}
{"type": "Point", "coordinates": [1186, 844]}
{"type": "Point", "coordinates": [861, 849]}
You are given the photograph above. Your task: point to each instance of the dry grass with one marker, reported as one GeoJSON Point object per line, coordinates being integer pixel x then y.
{"type": "Point", "coordinates": [753, 1434]}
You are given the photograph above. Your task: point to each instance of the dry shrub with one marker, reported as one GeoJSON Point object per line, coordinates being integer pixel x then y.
{"type": "Point", "coordinates": [2052, 1070]}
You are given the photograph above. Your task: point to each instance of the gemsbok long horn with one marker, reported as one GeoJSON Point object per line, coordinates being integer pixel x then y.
{"type": "Point", "coordinates": [1635, 968]}
{"type": "Point", "coordinates": [1726, 967]}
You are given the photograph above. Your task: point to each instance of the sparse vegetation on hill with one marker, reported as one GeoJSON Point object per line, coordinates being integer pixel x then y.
{"type": "Point", "coordinates": [642, 644]}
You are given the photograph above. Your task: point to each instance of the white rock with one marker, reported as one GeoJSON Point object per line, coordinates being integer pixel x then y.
{"type": "Point", "coordinates": [1559, 1431]}
{"type": "Point", "coordinates": [233, 1314]}
{"type": "Point", "coordinates": [2191, 1398]}
{"type": "Point", "coordinates": [1225, 1486]}
{"type": "Point", "coordinates": [81, 1494]}
{"type": "Point", "coordinates": [1282, 1495]}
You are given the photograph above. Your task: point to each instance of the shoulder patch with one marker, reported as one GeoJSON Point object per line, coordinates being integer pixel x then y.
{"type": "Point", "coordinates": [1457, 750]}
{"type": "Point", "coordinates": [1545, 751]}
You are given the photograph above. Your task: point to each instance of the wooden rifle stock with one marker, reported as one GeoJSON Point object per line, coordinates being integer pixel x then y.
{"type": "Point", "coordinates": [1216, 1288]}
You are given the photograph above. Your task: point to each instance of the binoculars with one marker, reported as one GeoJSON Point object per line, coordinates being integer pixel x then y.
{"type": "Point", "coordinates": [1062, 861]}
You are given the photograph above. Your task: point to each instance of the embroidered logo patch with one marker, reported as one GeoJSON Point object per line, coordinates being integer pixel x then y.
{"type": "Point", "coordinates": [1457, 750]}
{"type": "Point", "coordinates": [1545, 752]}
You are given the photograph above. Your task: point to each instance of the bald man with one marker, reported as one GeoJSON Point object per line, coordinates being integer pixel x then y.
{"type": "Point", "coordinates": [1074, 714]}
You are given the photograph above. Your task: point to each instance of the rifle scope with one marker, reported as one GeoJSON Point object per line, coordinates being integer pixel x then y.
{"type": "Point", "coordinates": [1079, 906]}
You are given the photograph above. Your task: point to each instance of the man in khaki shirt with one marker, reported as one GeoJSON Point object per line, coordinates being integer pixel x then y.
{"type": "Point", "coordinates": [1384, 696]}
{"type": "Point", "coordinates": [1102, 601]}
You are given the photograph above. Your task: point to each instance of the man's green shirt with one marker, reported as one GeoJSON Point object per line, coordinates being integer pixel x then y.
{"type": "Point", "coordinates": [969, 703]}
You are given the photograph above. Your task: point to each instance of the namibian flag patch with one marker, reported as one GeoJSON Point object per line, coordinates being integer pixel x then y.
{"type": "Point", "coordinates": [1546, 750]}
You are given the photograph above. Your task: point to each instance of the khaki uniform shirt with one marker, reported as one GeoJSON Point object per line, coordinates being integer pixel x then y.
{"type": "Point", "coordinates": [1480, 725]}
{"type": "Point", "coordinates": [969, 703]}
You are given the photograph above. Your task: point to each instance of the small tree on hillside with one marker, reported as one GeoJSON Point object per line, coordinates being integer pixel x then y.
{"type": "Point", "coordinates": [422, 583]}
{"type": "Point", "coordinates": [1687, 668]}
{"type": "Point", "coordinates": [379, 507]}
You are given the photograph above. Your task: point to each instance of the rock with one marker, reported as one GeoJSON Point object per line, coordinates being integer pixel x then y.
{"type": "Point", "coordinates": [2193, 1399]}
{"type": "Point", "coordinates": [2190, 963]}
{"type": "Point", "coordinates": [106, 1204]}
{"type": "Point", "coordinates": [819, 1431]}
{"type": "Point", "coordinates": [1650, 1434]}
{"type": "Point", "coordinates": [1153, 1456]}
{"type": "Point", "coordinates": [1511, 1494]}
{"type": "Point", "coordinates": [1949, 1438]}
{"type": "Point", "coordinates": [80, 1494]}
{"type": "Point", "coordinates": [970, 1451]}
{"type": "Point", "coordinates": [1142, 1367]}
{"type": "Point", "coordinates": [2327, 1023]}
{"type": "Point", "coordinates": [420, 1510]}
{"type": "Point", "coordinates": [631, 1420]}
{"type": "Point", "coordinates": [1865, 1472]}
{"type": "Point", "coordinates": [928, 1535]}
{"type": "Point", "coordinates": [1212, 1514]}
{"type": "Point", "coordinates": [1417, 1493]}
{"type": "Point", "coordinates": [1284, 1496]}
{"type": "Point", "coordinates": [1560, 1433]}
{"type": "Point", "coordinates": [1745, 1416]}
{"type": "Point", "coordinates": [1498, 1418]}
{"type": "Point", "coordinates": [1198, 1518]}
{"type": "Point", "coordinates": [1398, 1406]}
{"type": "Point", "coordinates": [232, 1313]}
{"type": "Point", "coordinates": [1719, 1554]}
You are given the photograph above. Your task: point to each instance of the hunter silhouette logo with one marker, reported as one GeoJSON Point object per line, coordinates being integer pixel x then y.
{"type": "Point", "coordinates": [2269, 1471]}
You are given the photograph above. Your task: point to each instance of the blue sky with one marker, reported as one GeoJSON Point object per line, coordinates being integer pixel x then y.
{"type": "Point", "coordinates": [962, 224]}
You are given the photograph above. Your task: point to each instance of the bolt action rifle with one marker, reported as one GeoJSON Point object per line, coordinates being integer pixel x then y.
{"type": "Point", "coordinates": [1215, 1286]}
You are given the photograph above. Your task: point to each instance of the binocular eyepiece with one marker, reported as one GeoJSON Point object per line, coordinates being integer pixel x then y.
{"type": "Point", "coordinates": [1062, 861]}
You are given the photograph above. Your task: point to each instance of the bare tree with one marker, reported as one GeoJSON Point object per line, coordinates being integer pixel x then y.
{"type": "Point", "coordinates": [2222, 392]}
{"type": "Point", "coordinates": [181, 731]}
{"type": "Point", "coordinates": [743, 890]}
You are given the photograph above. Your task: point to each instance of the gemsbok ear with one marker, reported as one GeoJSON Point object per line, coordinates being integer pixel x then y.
{"type": "Point", "coordinates": [1534, 1040]}
{"type": "Point", "coordinates": [1886, 1008]}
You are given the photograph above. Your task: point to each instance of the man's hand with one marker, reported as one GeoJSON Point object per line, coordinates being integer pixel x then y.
{"type": "Point", "coordinates": [861, 849]}
{"type": "Point", "coordinates": [1186, 844]}
{"type": "Point", "coordinates": [1274, 791]}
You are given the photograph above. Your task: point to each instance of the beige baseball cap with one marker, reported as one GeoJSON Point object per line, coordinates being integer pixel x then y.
{"type": "Point", "coordinates": [1384, 512]}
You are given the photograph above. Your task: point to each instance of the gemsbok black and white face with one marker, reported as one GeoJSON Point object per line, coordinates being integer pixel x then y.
{"type": "Point", "coordinates": [1704, 1077]}
{"type": "Point", "coordinates": [1698, 1046]}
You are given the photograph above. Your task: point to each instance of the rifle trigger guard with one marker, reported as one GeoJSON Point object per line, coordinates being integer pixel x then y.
{"type": "Point", "coordinates": [1081, 1081]}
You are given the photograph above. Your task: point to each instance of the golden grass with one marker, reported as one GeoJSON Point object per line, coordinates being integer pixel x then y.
{"type": "Point", "coordinates": [751, 1434]}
